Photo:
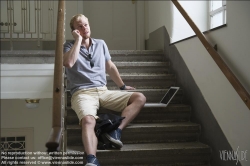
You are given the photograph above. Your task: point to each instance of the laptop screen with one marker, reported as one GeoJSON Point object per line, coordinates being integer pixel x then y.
{"type": "Point", "coordinates": [169, 95]}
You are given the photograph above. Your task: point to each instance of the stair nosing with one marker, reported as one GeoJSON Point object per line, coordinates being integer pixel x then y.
{"type": "Point", "coordinates": [150, 147]}
{"type": "Point", "coordinates": [170, 105]}
{"type": "Point", "coordinates": [149, 125]}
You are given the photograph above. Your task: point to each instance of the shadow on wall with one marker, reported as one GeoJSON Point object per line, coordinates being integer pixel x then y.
{"type": "Point", "coordinates": [211, 132]}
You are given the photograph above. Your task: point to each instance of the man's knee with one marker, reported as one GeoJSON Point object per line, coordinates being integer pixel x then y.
{"type": "Point", "coordinates": [88, 120]}
{"type": "Point", "coordinates": [138, 98]}
{"type": "Point", "coordinates": [141, 98]}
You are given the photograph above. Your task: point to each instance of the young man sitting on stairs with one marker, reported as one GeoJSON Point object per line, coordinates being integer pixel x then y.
{"type": "Point", "coordinates": [87, 60]}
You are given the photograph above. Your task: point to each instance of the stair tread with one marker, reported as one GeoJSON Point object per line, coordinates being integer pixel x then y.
{"type": "Point", "coordinates": [144, 90]}
{"type": "Point", "coordinates": [160, 90]}
{"type": "Point", "coordinates": [170, 107]}
{"type": "Point", "coordinates": [128, 52]}
{"type": "Point", "coordinates": [151, 125]}
{"type": "Point", "coordinates": [151, 146]}
{"type": "Point", "coordinates": [140, 63]}
{"type": "Point", "coordinates": [171, 124]}
{"type": "Point", "coordinates": [152, 90]}
{"type": "Point", "coordinates": [144, 74]}
{"type": "Point", "coordinates": [52, 52]}
{"type": "Point", "coordinates": [133, 76]}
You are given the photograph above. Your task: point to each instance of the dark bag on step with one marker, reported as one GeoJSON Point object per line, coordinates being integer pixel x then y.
{"type": "Point", "coordinates": [105, 124]}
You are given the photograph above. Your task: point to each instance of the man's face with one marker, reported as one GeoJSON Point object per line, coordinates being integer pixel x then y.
{"type": "Point", "coordinates": [82, 25]}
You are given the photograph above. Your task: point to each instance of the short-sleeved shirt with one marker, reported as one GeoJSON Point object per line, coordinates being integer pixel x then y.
{"type": "Point", "coordinates": [82, 75]}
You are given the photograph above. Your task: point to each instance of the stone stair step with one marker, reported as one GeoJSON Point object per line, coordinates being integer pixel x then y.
{"type": "Point", "coordinates": [48, 56]}
{"type": "Point", "coordinates": [141, 63]}
{"type": "Point", "coordinates": [161, 132]}
{"type": "Point", "coordinates": [27, 57]}
{"type": "Point", "coordinates": [142, 67]}
{"type": "Point", "coordinates": [137, 55]}
{"type": "Point", "coordinates": [152, 95]}
{"type": "Point", "coordinates": [138, 76]}
{"type": "Point", "coordinates": [147, 133]}
{"type": "Point", "coordinates": [187, 154]}
{"type": "Point", "coordinates": [155, 95]}
{"type": "Point", "coordinates": [171, 113]}
{"type": "Point", "coordinates": [146, 81]}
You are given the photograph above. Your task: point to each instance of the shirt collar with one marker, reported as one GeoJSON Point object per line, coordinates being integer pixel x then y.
{"type": "Point", "coordinates": [93, 41]}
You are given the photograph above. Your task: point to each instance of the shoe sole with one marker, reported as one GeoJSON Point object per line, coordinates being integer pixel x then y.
{"type": "Point", "coordinates": [117, 143]}
{"type": "Point", "coordinates": [89, 164]}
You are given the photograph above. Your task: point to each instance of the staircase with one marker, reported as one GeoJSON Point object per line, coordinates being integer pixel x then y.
{"type": "Point", "coordinates": [158, 136]}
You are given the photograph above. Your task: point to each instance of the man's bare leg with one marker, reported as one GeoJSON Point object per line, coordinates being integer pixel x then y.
{"type": "Point", "coordinates": [135, 104]}
{"type": "Point", "coordinates": [89, 138]}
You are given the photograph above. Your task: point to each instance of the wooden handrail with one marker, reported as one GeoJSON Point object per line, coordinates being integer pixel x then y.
{"type": "Point", "coordinates": [218, 60]}
{"type": "Point", "coordinates": [55, 139]}
{"type": "Point", "coordinates": [56, 133]}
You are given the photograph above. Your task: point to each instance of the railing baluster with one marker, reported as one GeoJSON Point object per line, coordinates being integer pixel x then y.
{"type": "Point", "coordinates": [25, 33]}
{"type": "Point", "coordinates": [55, 138]}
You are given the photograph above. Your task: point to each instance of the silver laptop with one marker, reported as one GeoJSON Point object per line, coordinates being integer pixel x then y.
{"type": "Point", "coordinates": [166, 98]}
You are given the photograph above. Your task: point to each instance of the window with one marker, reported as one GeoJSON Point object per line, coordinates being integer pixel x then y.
{"type": "Point", "coordinates": [197, 11]}
{"type": "Point", "coordinates": [12, 144]}
{"type": "Point", "coordinates": [217, 13]}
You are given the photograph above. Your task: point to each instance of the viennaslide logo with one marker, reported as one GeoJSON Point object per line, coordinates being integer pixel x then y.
{"type": "Point", "coordinates": [238, 155]}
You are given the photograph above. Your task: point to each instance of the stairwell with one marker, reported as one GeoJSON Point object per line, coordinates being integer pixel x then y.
{"type": "Point", "coordinates": [158, 136]}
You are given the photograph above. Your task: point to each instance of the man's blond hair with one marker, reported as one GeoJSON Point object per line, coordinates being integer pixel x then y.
{"type": "Point", "coordinates": [76, 18]}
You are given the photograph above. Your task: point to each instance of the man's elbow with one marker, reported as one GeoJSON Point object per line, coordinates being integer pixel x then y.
{"type": "Point", "coordinates": [66, 61]}
{"type": "Point", "coordinates": [68, 64]}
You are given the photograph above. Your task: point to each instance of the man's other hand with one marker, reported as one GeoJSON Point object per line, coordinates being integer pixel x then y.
{"type": "Point", "coordinates": [129, 88]}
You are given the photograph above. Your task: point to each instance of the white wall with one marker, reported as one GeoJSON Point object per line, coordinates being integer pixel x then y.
{"type": "Point", "coordinates": [197, 10]}
{"type": "Point", "coordinates": [161, 13]}
{"type": "Point", "coordinates": [15, 115]}
{"type": "Point", "coordinates": [157, 14]}
{"type": "Point", "coordinates": [233, 42]}
{"type": "Point", "coordinates": [72, 8]}
{"type": "Point", "coordinates": [20, 81]}
{"type": "Point", "coordinates": [232, 114]}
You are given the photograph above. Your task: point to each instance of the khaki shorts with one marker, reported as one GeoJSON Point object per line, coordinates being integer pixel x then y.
{"type": "Point", "coordinates": [88, 101]}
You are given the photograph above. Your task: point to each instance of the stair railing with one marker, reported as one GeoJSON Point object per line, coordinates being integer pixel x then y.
{"type": "Point", "coordinates": [214, 54]}
{"type": "Point", "coordinates": [55, 140]}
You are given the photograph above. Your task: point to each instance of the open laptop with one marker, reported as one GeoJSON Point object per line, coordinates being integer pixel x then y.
{"type": "Point", "coordinates": [166, 98]}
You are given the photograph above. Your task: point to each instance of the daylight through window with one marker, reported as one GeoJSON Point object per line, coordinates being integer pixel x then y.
{"type": "Point", "coordinates": [217, 13]}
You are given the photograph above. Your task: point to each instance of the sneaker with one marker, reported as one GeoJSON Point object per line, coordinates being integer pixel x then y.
{"type": "Point", "coordinates": [115, 138]}
{"type": "Point", "coordinates": [92, 161]}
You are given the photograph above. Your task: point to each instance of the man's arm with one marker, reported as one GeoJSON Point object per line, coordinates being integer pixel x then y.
{"type": "Point", "coordinates": [70, 57]}
{"type": "Point", "coordinates": [112, 70]}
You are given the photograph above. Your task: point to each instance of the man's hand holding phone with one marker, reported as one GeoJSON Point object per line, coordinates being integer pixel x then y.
{"type": "Point", "coordinates": [76, 34]}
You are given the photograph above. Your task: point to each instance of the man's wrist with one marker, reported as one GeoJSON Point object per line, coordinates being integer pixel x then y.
{"type": "Point", "coordinates": [123, 87]}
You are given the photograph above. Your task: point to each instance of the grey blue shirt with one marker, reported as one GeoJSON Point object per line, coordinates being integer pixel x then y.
{"type": "Point", "coordinates": [82, 75]}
